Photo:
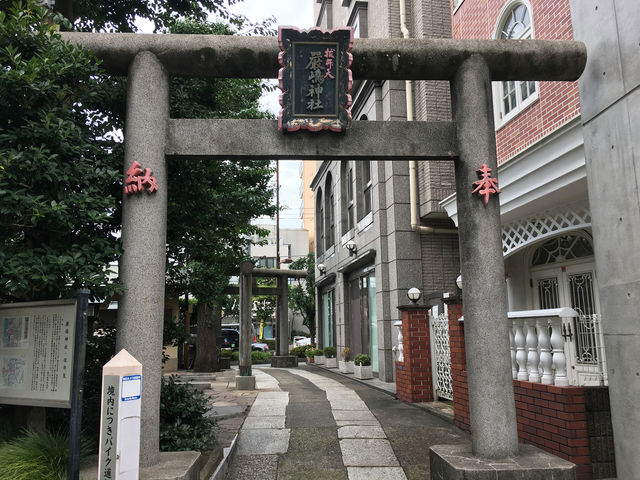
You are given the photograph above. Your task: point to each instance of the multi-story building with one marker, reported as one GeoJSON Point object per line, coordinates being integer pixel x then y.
{"type": "Point", "coordinates": [307, 172]}
{"type": "Point", "coordinates": [369, 252]}
{"type": "Point", "coordinates": [545, 213]}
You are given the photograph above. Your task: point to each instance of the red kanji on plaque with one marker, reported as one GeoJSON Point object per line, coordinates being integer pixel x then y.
{"type": "Point", "coordinates": [136, 180]}
{"type": "Point", "coordinates": [487, 185]}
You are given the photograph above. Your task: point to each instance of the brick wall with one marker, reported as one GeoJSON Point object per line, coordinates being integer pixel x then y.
{"type": "Point", "coordinates": [558, 102]}
{"type": "Point", "coordinates": [414, 382]}
{"type": "Point", "coordinates": [552, 418]}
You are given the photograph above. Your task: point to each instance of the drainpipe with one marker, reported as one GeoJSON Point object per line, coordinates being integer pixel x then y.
{"type": "Point", "coordinates": [413, 175]}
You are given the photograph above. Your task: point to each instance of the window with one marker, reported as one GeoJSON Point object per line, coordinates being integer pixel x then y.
{"type": "Point", "coordinates": [346, 196]}
{"type": "Point", "coordinates": [366, 187]}
{"type": "Point", "coordinates": [329, 222]}
{"type": "Point", "coordinates": [325, 17]}
{"type": "Point", "coordinates": [319, 223]}
{"type": "Point", "coordinates": [328, 319]}
{"type": "Point", "coordinates": [358, 20]}
{"type": "Point", "coordinates": [511, 97]}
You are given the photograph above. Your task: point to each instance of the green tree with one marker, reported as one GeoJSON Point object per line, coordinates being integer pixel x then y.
{"type": "Point", "coordinates": [59, 164]}
{"type": "Point", "coordinates": [302, 295]}
{"type": "Point", "coordinates": [211, 204]}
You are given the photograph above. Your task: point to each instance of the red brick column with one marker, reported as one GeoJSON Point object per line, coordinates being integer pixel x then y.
{"type": "Point", "coordinates": [461, 416]}
{"type": "Point", "coordinates": [413, 376]}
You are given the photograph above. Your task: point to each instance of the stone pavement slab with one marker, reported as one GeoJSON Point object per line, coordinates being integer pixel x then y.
{"type": "Point", "coordinates": [367, 452]}
{"type": "Point", "coordinates": [376, 473]}
{"type": "Point", "coordinates": [262, 441]}
{"type": "Point", "coordinates": [352, 431]}
{"type": "Point", "coordinates": [264, 422]}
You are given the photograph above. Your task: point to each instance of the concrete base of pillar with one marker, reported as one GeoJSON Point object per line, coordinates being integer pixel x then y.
{"type": "Point", "coordinates": [171, 466]}
{"type": "Point", "coordinates": [245, 382]}
{"type": "Point", "coordinates": [284, 361]}
{"type": "Point", "coordinates": [456, 462]}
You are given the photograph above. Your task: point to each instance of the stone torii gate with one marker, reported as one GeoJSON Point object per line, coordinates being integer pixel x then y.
{"type": "Point", "coordinates": [152, 139]}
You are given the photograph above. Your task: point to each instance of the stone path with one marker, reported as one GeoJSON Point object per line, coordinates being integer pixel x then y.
{"type": "Point", "coordinates": [319, 427]}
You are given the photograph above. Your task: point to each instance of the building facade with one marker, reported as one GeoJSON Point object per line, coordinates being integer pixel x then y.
{"type": "Point", "coordinates": [368, 253]}
{"type": "Point", "coordinates": [547, 234]}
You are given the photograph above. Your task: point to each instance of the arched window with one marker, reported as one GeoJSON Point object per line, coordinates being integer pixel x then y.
{"type": "Point", "coordinates": [512, 96]}
{"type": "Point", "coordinates": [346, 196]}
{"type": "Point", "coordinates": [329, 212]}
{"type": "Point", "coordinates": [561, 249]}
{"type": "Point", "coordinates": [319, 223]}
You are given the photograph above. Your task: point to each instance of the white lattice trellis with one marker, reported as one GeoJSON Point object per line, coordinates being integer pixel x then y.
{"type": "Point", "coordinates": [441, 355]}
{"type": "Point", "coordinates": [524, 231]}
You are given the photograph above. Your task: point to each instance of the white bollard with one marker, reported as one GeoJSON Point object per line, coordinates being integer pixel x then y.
{"type": "Point", "coordinates": [120, 418]}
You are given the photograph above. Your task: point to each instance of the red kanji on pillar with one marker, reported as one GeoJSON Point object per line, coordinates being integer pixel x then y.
{"type": "Point", "coordinates": [135, 181]}
{"type": "Point", "coordinates": [487, 185]}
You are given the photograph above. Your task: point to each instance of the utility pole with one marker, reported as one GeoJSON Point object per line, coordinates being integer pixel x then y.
{"type": "Point", "coordinates": [278, 280]}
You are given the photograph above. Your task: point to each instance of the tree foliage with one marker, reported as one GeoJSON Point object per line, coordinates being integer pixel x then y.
{"type": "Point", "coordinates": [302, 295]}
{"type": "Point", "coordinates": [59, 165]}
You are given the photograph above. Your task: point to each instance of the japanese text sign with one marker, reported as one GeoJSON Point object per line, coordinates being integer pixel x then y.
{"type": "Point", "coordinates": [315, 79]}
{"type": "Point", "coordinates": [138, 180]}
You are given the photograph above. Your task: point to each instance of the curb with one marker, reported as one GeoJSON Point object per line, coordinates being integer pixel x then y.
{"type": "Point", "coordinates": [223, 466]}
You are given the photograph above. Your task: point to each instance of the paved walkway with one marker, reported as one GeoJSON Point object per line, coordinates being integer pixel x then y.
{"type": "Point", "coordinates": [307, 423]}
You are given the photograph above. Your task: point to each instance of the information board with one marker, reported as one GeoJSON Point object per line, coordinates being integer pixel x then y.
{"type": "Point", "coordinates": [36, 353]}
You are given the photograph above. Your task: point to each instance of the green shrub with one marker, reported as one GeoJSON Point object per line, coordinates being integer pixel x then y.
{"type": "Point", "coordinates": [300, 351]}
{"type": "Point", "coordinates": [226, 353]}
{"type": "Point", "coordinates": [37, 456]}
{"type": "Point", "coordinates": [235, 355]}
{"type": "Point", "coordinates": [362, 360]}
{"type": "Point", "coordinates": [271, 343]}
{"type": "Point", "coordinates": [330, 352]}
{"type": "Point", "coordinates": [260, 357]}
{"type": "Point", "coordinates": [182, 422]}
{"type": "Point", "coordinates": [318, 353]}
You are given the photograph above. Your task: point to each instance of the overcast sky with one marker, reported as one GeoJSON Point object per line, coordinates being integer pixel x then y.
{"type": "Point", "coordinates": [295, 13]}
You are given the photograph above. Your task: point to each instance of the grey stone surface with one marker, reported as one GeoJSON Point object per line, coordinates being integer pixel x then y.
{"type": "Point", "coordinates": [263, 441]}
{"type": "Point", "coordinates": [245, 383]}
{"type": "Point", "coordinates": [264, 409]}
{"type": "Point", "coordinates": [369, 452]}
{"type": "Point", "coordinates": [603, 61]}
{"type": "Point", "coordinates": [611, 123]}
{"type": "Point", "coordinates": [225, 411]}
{"type": "Point", "coordinates": [414, 59]}
{"type": "Point", "coordinates": [361, 432]}
{"type": "Point", "coordinates": [345, 423]}
{"type": "Point", "coordinates": [284, 361]}
{"type": "Point", "coordinates": [346, 415]}
{"type": "Point", "coordinates": [215, 139]}
{"type": "Point", "coordinates": [456, 462]}
{"type": "Point", "coordinates": [377, 473]}
{"type": "Point", "coordinates": [253, 467]}
{"type": "Point", "coordinates": [264, 422]}
{"type": "Point", "coordinates": [491, 398]}
{"type": "Point", "coordinates": [144, 220]}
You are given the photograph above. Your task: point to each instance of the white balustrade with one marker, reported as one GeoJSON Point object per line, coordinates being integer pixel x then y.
{"type": "Point", "coordinates": [533, 359]}
{"type": "Point", "coordinates": [514, 364]}
{"type": "Point", "coordinates": [521, 353]}
{"type": "Point", "coordinates": [400, 348]}
{"type": "Point", "coordinates": [559, 358]}
{"type": "Point", "coordinates": [544, 343]}
{"type": "Point", "coordinates": [537, 356]}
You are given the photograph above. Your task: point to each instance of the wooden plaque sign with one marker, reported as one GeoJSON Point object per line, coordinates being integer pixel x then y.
{"type": "Point", "coordinates": [315, 79]}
